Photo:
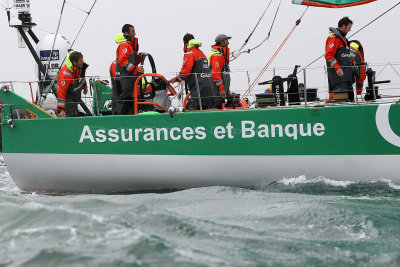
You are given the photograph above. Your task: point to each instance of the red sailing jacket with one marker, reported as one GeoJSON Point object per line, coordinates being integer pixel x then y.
{"type": "Point", "coordinates": [113, 69]}
{"type": "Point", "coordinates": [332, 44]}
{"type": "Point", "coordinates": [191, 56]}
{"type": "Point", "coordinates": [65, 79]}
{"type": "Point", "coordinates": [361, 79]}
{"type": "Point", "coordinates": [126, 48]}
{"type": "Point", "coordinates": [218, 58]}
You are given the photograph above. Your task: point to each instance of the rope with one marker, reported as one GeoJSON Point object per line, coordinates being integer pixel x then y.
{"type": "Point", "coordinates": [384, 13]}
{"type": "Point", "coordinates": [273, 57]}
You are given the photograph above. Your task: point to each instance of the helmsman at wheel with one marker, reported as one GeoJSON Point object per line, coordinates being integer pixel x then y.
{"type": "Point", "coordinates": [127, 70]}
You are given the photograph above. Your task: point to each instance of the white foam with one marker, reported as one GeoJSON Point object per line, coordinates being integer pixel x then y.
{"type": "Point", "coordinates": [389, 183]}
{"type": "Point", "coordinates": [303, 180]}
{"type": "Point", "coordinates": [293, 181]}
{"type": "Point", "coordinates": [28, 231]}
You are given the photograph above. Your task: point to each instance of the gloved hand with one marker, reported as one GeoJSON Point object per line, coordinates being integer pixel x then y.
{"type": "Point", "coordinates": [139, 70]}
{"type": "Point", "coordinates": [173, 80]}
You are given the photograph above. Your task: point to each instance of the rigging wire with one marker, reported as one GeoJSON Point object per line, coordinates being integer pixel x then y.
{"type": "Point", "coordinates": [384, 13]}
{"type": "Point", "coordinates": [394, 70]}
{"type": "Point", "coordinates": [76, 37]}
{"type": "Point", "coordinates": [83, 24]}
{"type": "Point", "coordinates": [55, 38]}
{"type": "Point", "coordinates": [269, 33]}
{"type": "Point", "coordinates": [251, 34]}
{"type": "Point", "coordinates": [40, 29]}
{"type": "Point", "coordinates": [388, 64]}
{"type": "Point", "coordinates": [84, 11]}
{"type": "Point", "coordinates": [247, 93]}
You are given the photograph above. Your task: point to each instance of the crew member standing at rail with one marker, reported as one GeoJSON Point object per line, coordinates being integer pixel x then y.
{"type": "Point", "coordinates": [71, 82]}
{"type": "Point", "coordinates": [127, 69]}
{"type": "Point", "coordinates": [339, 60]}
{"type": "Point", "coordinates": [219, 61]}
{"type": "Point", "coordinates": [196, 73]}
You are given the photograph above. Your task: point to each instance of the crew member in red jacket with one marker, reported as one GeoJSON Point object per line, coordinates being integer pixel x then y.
{"type": "Point", "coordinates": [71, 82]}
{"type": "Point", "coordinates": [113, 70]}
{"type": "Point", "coordinates": [114, 88]}
{"type": "Point", "coordinates": [358, 51]}
{"type": "Point", "coordinates": [127, 69]}
{"type": "Point", "coordinates": [339, 60]}
{"type": "Point", "coordinates": [197, 75]}
{"type": "Point", "coordinates": [219, 61]}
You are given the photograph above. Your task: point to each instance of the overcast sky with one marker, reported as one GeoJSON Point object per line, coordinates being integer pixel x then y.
{"type": "Point", "coordinates": [160, 26]}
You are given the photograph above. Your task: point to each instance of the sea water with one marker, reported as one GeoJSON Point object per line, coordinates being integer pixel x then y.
{"type": "Point", "coordinates": [292, 222]}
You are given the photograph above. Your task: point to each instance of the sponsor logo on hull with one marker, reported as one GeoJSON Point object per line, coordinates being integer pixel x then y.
{"type": "Point", "coordinates": [383, 125]}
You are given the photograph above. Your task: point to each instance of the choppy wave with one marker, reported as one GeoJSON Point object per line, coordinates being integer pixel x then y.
{"type": "Point", "coordinates": [325, 186]}
{"type": "Point", "coordinates": [294, 221]}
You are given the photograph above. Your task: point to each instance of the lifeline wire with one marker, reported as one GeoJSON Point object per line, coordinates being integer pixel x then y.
{"type": "Point", "coordinates": [384, 13]}
{"type": "Point", "coordinates": [273, 57]}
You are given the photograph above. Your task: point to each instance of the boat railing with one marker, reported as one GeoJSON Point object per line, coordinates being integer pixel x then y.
{"type": "Point", "coordinates": [311, 77]}
{"type": "Point", "coordinates": [136, 92]}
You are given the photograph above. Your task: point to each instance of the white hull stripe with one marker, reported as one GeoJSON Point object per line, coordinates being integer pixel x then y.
{"type": "Point", "coordinates": [116, 173]}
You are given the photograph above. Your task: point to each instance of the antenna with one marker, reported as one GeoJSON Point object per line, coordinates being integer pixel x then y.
{"type": "Point", "coordinates": [20, 14]}
{"type": "Point", "coordinates": [19, 17]}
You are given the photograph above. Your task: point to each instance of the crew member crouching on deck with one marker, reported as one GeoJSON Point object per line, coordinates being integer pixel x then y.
{"type": "Point", "coordinates": [339, 60]}
{"type": "Point", "coordinates": [71, 81]}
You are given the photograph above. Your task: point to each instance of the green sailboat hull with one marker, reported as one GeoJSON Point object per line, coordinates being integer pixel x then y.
{"type": "Point", "coordinates": [233, 148]}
